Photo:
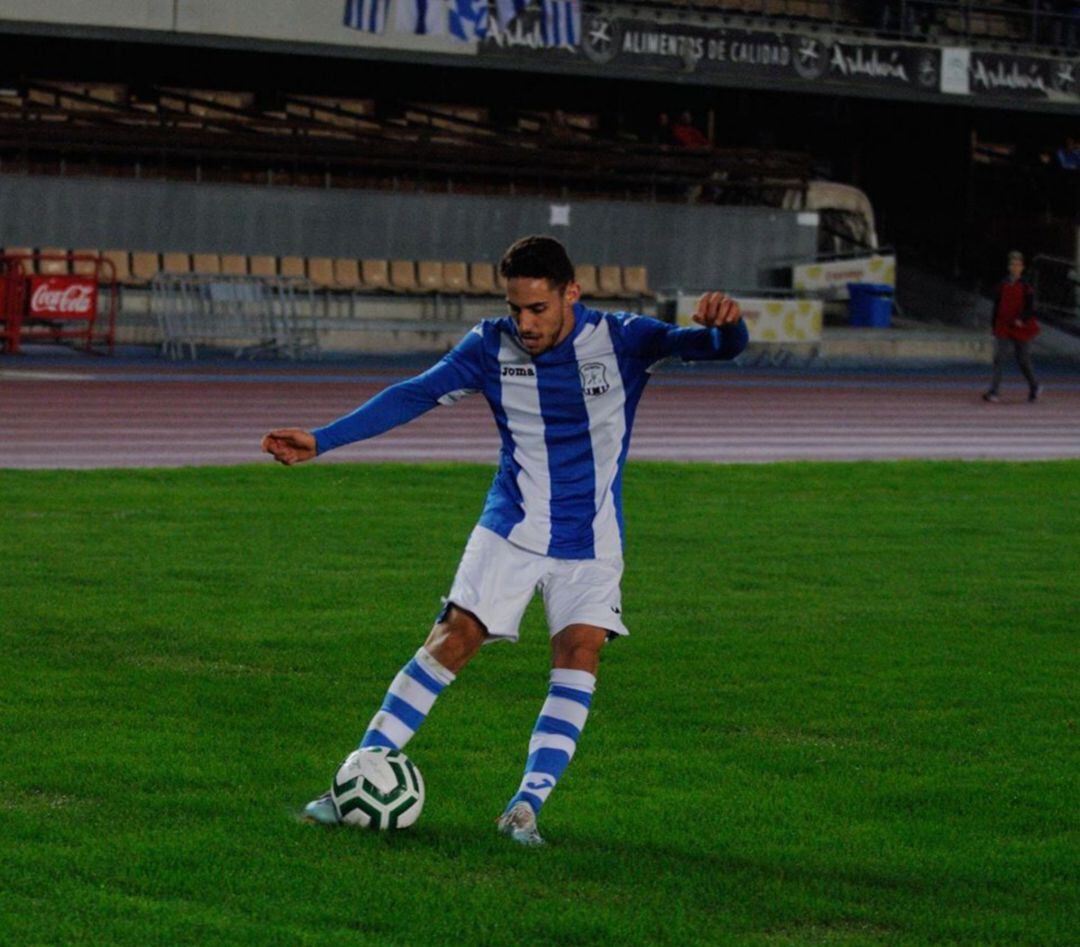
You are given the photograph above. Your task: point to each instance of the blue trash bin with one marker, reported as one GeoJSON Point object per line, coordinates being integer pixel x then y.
{"type": "Point", "coordinates": [870, 304]}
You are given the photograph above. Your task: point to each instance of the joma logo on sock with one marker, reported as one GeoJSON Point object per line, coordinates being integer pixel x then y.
{"type": "Point", "coordinates": [515, 371]}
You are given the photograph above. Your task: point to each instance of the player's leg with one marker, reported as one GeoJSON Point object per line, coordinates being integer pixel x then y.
{"type": "Point", "coordinates": [1023, 359]}
{"type": "Point", "coordinates": [1000, 355]}
{"type": "Point", "coordinates": [491, 590]}
{"type": "Point", "coordinates": [583, 603]}
{"type": "Point", "coordinates": [454, 639]}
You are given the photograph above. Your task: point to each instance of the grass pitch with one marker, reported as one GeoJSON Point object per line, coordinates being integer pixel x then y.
{"type": "Point", "coordinates": [847, 712]}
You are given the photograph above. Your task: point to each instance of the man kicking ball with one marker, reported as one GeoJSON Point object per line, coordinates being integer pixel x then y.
{"type": "Point", "coordinates": [563, 382]}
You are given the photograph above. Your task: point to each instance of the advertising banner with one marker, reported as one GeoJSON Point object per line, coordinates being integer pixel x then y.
{"type": "Point", "coordinates": [63, 297]}
{"type": "Point", "coordinates": [633, 46]}
{"type": "Point", "coordinates": [831, 277]}
{"type": "Point", "coordinates": [767, 320]}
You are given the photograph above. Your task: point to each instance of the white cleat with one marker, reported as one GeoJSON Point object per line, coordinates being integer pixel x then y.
{"type": "Point", "coordinates": [320, 811]}
{"type": "Point", "coordinates": [519, 824]}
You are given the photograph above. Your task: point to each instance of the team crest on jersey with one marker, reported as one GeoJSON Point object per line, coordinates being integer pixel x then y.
{"type": "Point", "coordinates": [594, 378]}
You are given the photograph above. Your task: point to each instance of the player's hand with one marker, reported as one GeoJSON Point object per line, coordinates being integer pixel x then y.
{"type": "Point", "coordinates": [289, 445]}
{"type": "Point", "coordinates": [717, 309]}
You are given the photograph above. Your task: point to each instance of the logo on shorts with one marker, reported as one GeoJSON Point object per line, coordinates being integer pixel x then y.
{"type": "Point", "coordinates": [616, 609]}
{"type": "Point", "coordinates": [594, 378]}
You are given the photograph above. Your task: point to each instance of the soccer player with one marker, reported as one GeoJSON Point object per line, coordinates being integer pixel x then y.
{"type": "Point", "coordinates": [563, 382]}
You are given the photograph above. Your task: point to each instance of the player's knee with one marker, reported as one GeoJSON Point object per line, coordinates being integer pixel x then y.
{"type": "Point", "coordinates": [578, 648]}
{"type": "Point", "coordinates": [455, 638]}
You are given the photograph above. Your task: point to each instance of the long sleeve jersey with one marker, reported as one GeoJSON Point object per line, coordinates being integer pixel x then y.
{"type": "Point", "coordinates": [564, 418]}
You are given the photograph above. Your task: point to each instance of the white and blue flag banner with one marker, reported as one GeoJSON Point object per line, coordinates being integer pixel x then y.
{"type": "Point", "coordinates": [366, 15]}
{"type": "Point", "coordinates": [468, 19]}
{"type": "Point", "coordinates": [422, 17]}
{"type": "Point", "coordinates": [507, 10]}
{"type": "Point", "coordinates": [560, 22]}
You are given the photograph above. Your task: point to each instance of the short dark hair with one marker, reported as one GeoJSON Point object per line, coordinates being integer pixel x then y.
{"type": "Point", "coordinates": [538, 257]}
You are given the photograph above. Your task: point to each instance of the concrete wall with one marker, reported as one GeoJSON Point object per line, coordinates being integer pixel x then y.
{"type": "Point", "coordinates": [682, 245]}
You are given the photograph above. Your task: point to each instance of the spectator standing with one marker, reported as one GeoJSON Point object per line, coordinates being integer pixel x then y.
{"type": "Point", "coordinates": [687, 134]}
{"type": "Point", "coordinates": [1014, 326]}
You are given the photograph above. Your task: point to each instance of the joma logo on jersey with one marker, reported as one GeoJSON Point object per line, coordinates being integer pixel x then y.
{"type": "Point", "coordinates": [518, 371]}
{"type": "Point", "coordinates": [594, 378]}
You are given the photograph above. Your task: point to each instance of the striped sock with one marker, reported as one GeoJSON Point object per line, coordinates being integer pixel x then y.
{"type": "Point", "coordinates": [407, 702]}
{"type": "Point", "coordinates": [555, 735]}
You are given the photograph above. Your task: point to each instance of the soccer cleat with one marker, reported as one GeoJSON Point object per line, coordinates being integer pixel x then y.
{"type": "Point", "coordinates": [519, 824]}
{"type": "Point", "coordinates": [991, 396]}
{"type": "Point", "coordinates": [1033, 394]}
{"type": "Point", "coordinates": [320, 811]}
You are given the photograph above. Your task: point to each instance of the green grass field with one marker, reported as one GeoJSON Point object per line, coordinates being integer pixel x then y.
{"type": "Point", "coordinates": [847, 713]}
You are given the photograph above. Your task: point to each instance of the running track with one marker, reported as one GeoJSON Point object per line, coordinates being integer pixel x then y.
{"type": "Point", "coordinates": [78, 415]}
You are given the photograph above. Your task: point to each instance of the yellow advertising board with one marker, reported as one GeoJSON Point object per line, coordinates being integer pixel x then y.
{"type": "Point", "coordinates": [768, 320]}
{"type": "Point", "coordinates": [834, 275]}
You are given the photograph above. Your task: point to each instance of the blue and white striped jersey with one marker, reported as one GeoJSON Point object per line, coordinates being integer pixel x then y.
{"type": "Point", "coordinates": [564, 417]}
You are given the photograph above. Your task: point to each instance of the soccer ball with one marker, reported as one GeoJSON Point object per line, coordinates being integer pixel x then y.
{"type": "Point", "coordinates": [378, 788]}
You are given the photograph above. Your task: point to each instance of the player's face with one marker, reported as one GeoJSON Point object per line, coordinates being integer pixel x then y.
{"type": "Point", "coordinates": [1016, 269]}
{"type": "Point", "coordinates": [544, 314]}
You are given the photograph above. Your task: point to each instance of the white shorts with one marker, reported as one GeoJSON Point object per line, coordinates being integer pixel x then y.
{"type": "Point", "coordinates": [496, 580]}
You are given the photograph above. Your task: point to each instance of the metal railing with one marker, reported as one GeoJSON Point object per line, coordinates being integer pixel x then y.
{"type": "Point", "coordinates": [251, 315]}
{"type": "Point", "coordinates": [1057, 289]}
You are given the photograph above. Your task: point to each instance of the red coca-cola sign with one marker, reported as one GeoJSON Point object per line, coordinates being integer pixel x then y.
{"type": "Point", "coordinates": [63, 297]}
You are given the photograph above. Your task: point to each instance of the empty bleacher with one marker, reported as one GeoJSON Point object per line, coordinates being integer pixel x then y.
{"type": "Point", "coordinates": [291, 302]}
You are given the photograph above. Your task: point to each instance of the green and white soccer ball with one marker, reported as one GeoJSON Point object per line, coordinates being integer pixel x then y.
{"type": "Point", "coordinates": [378, 788]}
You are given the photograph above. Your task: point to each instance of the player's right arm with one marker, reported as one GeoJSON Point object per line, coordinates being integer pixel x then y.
{"type": "Point", "coordinates": [460, 371]}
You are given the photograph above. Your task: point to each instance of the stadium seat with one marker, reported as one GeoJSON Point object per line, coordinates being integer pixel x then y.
{"type": "Point", "coordinates": [234, 264]}
{"type": "Point", "coordinates": [262, 264]}
{"type": "Point", "coordinates": [610, 282]}
{"type": "Point", "coordinates": [292, 266]}
{"type": "Point", "coordinates": [375, 274]}
{"type": "Point", "coordinates": [347, 274]}
{"type": "Point", "coordinates": [89, 267]}
{"type": "Point", "coordinates": [206, 264]}
{"type": "Point", "coordinates": [121, 261]}
{"type": "Point", "coordinates": [28, 264]}
{"type": "Point", "coordinates": [455, 277]}
{"type": "Point", "coordinates": [144, 267]}
{"type": "Point", "coordinates": [482, 280]}
{"type": "Point", "coordinates": [429, 276]}
{"type": "Point", "coordinates": [585, 274]}
{"type": "Point", "coordinates": [54, 267]}
{"type": "Point", "coordinates": [176, 263]}
{"type": "Point", "coordinates": [403, 276]}
{"type": "Point", "coordinates": [635, 281]}
{"type": "Point", "coordinates": [320, 270]}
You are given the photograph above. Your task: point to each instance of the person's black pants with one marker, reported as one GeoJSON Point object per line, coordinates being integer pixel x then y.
{"type": "Point", "coordinates": [1003, 348]}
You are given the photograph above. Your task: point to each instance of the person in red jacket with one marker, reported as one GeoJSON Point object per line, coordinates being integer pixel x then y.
{"type": "Point", "coordinates": [1014, 327]}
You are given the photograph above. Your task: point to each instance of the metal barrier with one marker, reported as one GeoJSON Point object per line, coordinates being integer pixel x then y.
{"type": "Point", "coordinates": [1057, 290]}
{"type": "Point", "coordinates": [251, 315]}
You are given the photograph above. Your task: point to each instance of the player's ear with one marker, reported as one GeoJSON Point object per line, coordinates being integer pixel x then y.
{"type": "Point", "coordinates": [572, 293]}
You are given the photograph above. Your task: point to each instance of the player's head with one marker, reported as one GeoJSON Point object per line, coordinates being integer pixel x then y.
{"type": "Point", "coordinates": [540, 291]}
{"type": "Point", "coordinates": [1016, 264]}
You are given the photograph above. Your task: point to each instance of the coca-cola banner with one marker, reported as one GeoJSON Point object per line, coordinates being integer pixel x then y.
{"type": "Point", "coordinates": [63, 297]}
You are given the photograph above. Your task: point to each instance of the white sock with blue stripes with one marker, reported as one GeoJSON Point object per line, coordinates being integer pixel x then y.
{"type": "Point", "coordinates": [408, 702]}
{"type": "Point", "coordinates": [555, 735]}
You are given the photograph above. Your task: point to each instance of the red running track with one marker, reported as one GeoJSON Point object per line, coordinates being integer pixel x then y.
{"type": "Point", "coordinates": [145, 416]}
